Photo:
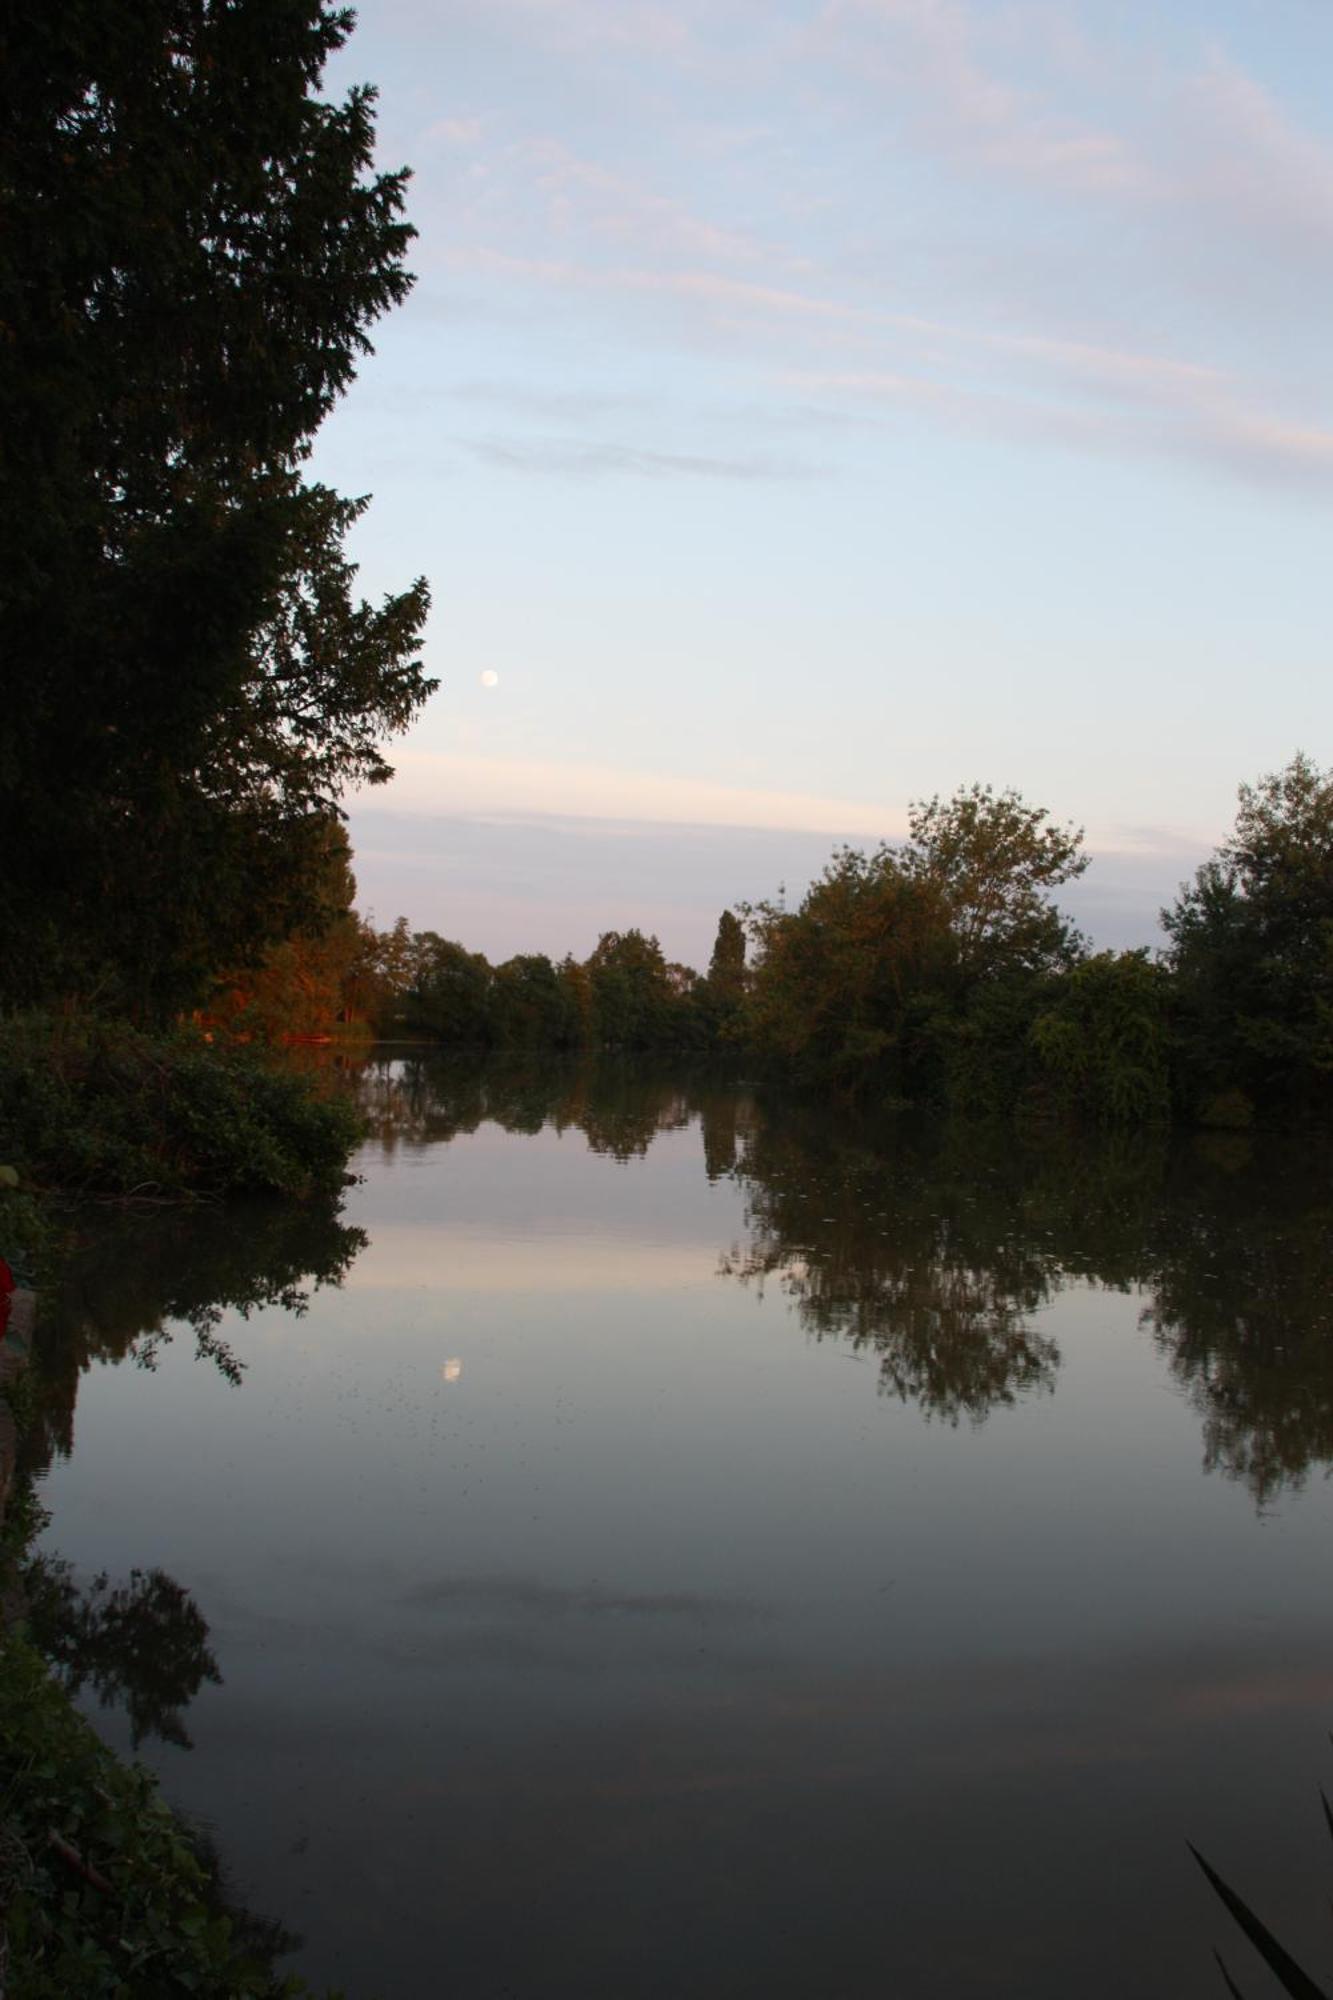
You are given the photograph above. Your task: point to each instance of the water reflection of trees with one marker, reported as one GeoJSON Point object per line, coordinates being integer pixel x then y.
{"type": "Point", "coordinates": [619, 1106]}
{"type": "Point", "coordinates": [132, 1282]}
{"type": "Point", "coordinates": [925, 1270]}
{"type": "Point", "coordinates": [1242, 1307]}
{"type": "Point", "coordinates": [937, 1250]}
{"type": "Point", "coordinates": [141, 1645]}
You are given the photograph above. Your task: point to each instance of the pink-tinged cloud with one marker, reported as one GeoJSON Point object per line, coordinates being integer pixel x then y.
{"type": "Point", "coordinates": [927, 58]}
{"type": "Point", "coordinates": [428, 782]}
{"type": "Point", "coordinates": [1250, 160]}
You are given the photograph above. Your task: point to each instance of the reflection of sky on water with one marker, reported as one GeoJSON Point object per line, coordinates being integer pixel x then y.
{"type": "Point", "coordinates": [659, 1649]}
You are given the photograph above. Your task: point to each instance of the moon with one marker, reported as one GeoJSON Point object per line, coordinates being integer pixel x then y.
{"type": "Point", "coordinates": [489, 679]}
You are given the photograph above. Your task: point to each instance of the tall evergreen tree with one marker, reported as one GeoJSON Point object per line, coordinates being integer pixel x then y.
{"type": "Point", "coordinates": [195, 245]}
{"type": "Point", "coordinates": [726, 968]}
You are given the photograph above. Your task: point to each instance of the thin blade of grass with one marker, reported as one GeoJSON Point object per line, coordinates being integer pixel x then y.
{"type": "Point", "coordinates": [1232, 1987]}
{"type": "Point", "coordinates": [1280, 1962]}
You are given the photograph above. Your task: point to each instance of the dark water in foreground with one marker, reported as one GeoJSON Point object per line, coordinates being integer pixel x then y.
{"type": "Point", "coordinates": [706, 1546]}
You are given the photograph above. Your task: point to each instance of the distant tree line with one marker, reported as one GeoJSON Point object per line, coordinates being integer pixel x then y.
{"type": "Point", "coordinates": [347, 975]}
{"type": "Point", "coordinates": [937, 971]}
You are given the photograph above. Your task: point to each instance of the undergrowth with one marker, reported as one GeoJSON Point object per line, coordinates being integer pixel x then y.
{"type": "Point", "coordinates": [92, 1107]}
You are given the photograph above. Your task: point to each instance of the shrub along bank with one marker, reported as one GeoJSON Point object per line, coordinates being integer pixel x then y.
{"type": "Point", "coordinates": [94, 1107]}
{"type": "Point", "coordinates": [105, 1895]}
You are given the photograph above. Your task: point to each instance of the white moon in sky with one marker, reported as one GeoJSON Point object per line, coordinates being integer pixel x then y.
{"type": "Point", "coordinates": [490, 679]}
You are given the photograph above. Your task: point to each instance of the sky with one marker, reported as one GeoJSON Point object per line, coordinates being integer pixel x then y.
{"type": "Point", "coordinates": [810, 406]}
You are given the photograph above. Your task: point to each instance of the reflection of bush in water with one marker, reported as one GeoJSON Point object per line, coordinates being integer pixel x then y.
{"type": "Point", "coordinates": [141, 1645]}
{"type": "Point", "coordinates": [128, 1285]}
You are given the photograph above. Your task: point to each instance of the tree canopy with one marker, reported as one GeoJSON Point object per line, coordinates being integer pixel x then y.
{"type": "Point", "coordinates": [994, 860]}
{"type": "Point", "coordinates": [884, 972]}
{"type": "Point", "coordinates": [1252, 944]}
{"type": "Point", "coordinates": [195, 246]}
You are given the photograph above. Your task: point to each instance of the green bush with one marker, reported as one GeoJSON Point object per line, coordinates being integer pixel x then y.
{"type": "Point", "coordinates": [104, 1893]}
{"type": "Point", "coordinates": [1102, 1042]}
{"type": "Point", "coordinates": [98, 1107]}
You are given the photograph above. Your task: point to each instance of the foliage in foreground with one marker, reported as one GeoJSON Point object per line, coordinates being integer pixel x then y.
{"type": "Point", "coordinates": [1289, 1975]}
{"type": "Point", "coordinates": [99, 1107]}
{"type": "Point", "coordinates": [105, 1896]}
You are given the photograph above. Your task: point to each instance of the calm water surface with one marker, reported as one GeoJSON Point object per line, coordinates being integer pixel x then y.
{"type": "Point", "coordinates": [664, 1540]}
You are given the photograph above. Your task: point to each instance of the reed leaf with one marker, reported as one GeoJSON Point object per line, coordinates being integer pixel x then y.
{"type": "Point", "coordinates": [1279, 1961]}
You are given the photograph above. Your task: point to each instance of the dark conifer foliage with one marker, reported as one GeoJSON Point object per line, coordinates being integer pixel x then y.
{"type": "Point", "coordinates": [1251, 950]}
{"type": "Point", "coordinates": [726, 967]}
{"type": "Point", "coordinates": [194, 248]}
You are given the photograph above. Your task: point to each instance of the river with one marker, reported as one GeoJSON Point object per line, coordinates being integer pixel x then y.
{"type": "Point", "coordinates": [661, 1538]}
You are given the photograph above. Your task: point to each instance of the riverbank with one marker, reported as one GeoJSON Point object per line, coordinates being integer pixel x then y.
{"type": "Point", "coordinates": [105, 1893]}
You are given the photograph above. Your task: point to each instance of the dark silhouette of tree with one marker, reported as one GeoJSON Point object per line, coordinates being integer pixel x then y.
{"type": "Point", "coordinates": [1252, 948]}
{"type": "Point", "coordinates": [726, 967]}
{"type": "Point", "coordinates": [452, 993]}
{"type": "Point", "coordinates": [532, 1006]}
{"type": "Point", "coordinates": [194, 248]}
{"type": "Point", "coordinates": [631, 994]}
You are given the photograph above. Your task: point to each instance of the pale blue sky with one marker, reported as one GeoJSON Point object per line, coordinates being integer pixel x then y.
{"type": "Point", "coordinates": [807, 407]}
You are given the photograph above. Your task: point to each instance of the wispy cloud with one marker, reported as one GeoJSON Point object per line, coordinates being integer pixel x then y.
{"type": "Point", "coordinates": [926, 57]}
{"type": "Point", "coordinates": [581, 458]}
{"type": "Point", "coordinates": [1143, 275]}
{"type": "Point", "coordinates": [1247, 157]}
{"type": "Point", "coordinates": [474, 784]}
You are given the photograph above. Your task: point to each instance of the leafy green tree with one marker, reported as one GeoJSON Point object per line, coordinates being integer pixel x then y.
{"type": "Point", "coordinates": [844, 986]}
{"type": "Point", "coordinates": [532, 1008]}
{"type": "Point", "coordinates": [1252, 946]}
{"type": "Point", "coordinates": [994, 860]}
{"type": "Point", "coordinates": [631, 994]}
{"type": "Point", "coordinates": [452, 994]}
{"type": "Point", "coordinates": [194, 247]}
{"type": "Point", "coordinates": [911, 971]}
